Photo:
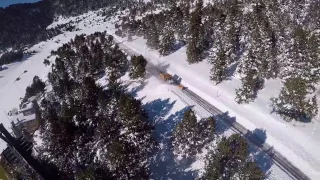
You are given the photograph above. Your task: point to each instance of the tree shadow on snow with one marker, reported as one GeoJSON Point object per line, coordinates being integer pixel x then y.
{"type": "Point", "coordinates": [258, 136]}
{"type": "Point", "coordinates": [263, 159]}
{"type": "Point", "coordinates": [3, 68]}
{"type": "Point", "coordinates": [158, 109]}
{"type": "Point", "coordinates": [26, 57]}
{"type": "Point", "coordinates": [232, 69]}
{"type": "Point", "coordinates": [163, 164]}
{"type": "Point", "coordinates": [257, 139]}
{"type": "Point", "coordinates": [224, 122]}
{"type": "Point", "coordinates": [178, 45]}
{"type": "Point", "coordinates": [134, 91]}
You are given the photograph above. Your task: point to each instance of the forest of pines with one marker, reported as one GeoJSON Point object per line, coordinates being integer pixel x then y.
{"type": "Point", "coordinates": [263, 39]}
{"type": "Point", "coordinates": [90, 132]}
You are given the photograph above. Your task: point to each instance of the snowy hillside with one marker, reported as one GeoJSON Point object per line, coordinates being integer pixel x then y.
{"type": "Point", "coordinates": [301, 150]}
{"type": "Point", "coordinates": [297, 141]}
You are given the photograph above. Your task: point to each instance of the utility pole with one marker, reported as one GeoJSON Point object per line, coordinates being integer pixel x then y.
{"type": "Point", "coordinates": [23, 154]}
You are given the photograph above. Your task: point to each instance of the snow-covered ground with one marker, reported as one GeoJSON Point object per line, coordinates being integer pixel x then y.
{"type": "Point", "coordinates": [296, 141]}
{"type": "Point", "coordinates": [166, 105]}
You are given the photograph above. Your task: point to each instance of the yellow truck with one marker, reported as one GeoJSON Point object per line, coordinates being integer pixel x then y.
{"type": "Point", "coordinates": [166, 76]}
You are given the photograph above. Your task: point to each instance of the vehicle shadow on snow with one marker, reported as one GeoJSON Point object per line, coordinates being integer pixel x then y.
{"type": "Point", "coordinates": [257, 139]}
{"type": "Point", "coordinates": [163, 164]}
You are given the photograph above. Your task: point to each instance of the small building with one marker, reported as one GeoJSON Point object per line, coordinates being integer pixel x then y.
{"type": "Point", "coordinates": [26, 120]}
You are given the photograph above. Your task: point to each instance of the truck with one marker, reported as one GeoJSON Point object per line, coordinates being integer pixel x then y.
{"type": "Point", "coordinates": [169, 78]}
{"type": "Point", "coordinates": [166, 77]}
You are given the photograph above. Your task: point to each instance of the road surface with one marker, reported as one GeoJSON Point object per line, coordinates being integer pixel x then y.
{"type": "Point", "coordinates": [277, 158]}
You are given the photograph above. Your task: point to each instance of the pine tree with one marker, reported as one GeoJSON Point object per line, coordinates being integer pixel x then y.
{"type": "Point", "coordinates": [153, 36]}
{"type": "Point", "coordinates": [138, 67]}
{"type": "Point", "coordinates": [251, 78]}
{"type": "Point", "coordinates": [230, 161]}
{"type": "Point", "coordinates": [116, 64]}
{"type": "Point", "coordinates": [177, 20]}
{"type": "Point", "coordinates": [191, 136]}
{"type": "Point", "coordinates": [46, 62]}
{"type": "Point", "coordinates": [207, 130]}
{"type": "Point", "coordinates": [130, 36]}
{"type": "Point", "coordinates": [219, 69]}
{"type": "Point", "coordinates": [251, 84]}
{"type": "Point", "coordinates": [185, 135]}
{"type": "Point", "coordinates": [292, 102]}
{"type": "Point", "coordinates": [195, 39]}
{"type": "Point", "coordinates": [167, 42]}
{"type": "Point", "coordinates": [89, 132]}
{"type": "Point", "coordinates": [250, 170]}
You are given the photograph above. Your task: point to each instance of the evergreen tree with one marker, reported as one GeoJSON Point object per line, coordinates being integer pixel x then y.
{"type": "Point", "coordinates": [207, 130]}
{"type": "Point", "coordinates": [11, 56]}
{"type": "Point", "coordinates": [138, 67]}
{"type": "Point", "coordinates": [219, 69]}
{"type": "Point", "coordinates": [177, 20]}
{"type": "Point", "coordinates": [116, 64]}
{"type": "Point", "coordinates": [190, 136]}
{"type": "Point", "coordinates": [153, 36]}
{"type": "Point", "coordinates": [250, 170]}
{"type": "Point", "coordinates": [251, 79]}
{"type": "Point", "coordinates": [89, 132]}
{"type": "Point", "coordinates": [130, 37]}
{"type": "Point", "coordinates": [293, 103]}
{"type": "Point", "coordinates": [37, 87]}
{"type": "Point", "coordinates": [185, 134]}
{"type": "Point", "coordinates": [230, 160]}
{"type": "Point", "coordinates": [46, 62]}
{"type": "Point", "coordinates": [167, 42]}
{"type": "Point", "coordinates": [195, 39]}
{"type": "Point", "coordinates": [302, 58]}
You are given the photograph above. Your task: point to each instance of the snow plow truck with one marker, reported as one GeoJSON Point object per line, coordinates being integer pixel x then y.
{"type": "Point", "coordinates": [168, 78]}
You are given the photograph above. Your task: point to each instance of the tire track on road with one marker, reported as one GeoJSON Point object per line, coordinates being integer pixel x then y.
{"type": "Point", "coordinates": [277, 158]}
